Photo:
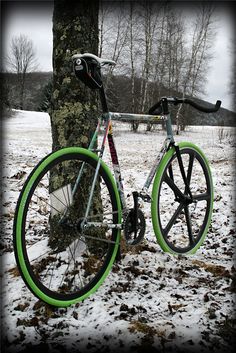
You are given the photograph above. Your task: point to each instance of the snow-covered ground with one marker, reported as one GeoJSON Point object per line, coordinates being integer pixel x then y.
{"type": "Point", "coordinates": [150, 301]}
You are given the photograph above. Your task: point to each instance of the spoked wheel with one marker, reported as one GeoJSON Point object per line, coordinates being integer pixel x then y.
{"type": "Point", "coordinates": [181, 215]}
{"type": "Point", "coordinates": [65, 232]}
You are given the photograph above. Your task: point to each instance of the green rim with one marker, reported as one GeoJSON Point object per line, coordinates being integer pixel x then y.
{"type": "Point", "coordinates": [19, 216]}
{"type": "Point", "coordinates": [155, 192]}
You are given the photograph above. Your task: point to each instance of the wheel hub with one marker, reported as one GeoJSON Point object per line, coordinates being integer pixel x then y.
{"type": "Point", "coordinates": [186, 200]}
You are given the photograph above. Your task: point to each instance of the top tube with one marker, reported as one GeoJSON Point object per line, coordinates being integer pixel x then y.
{"type": "Point", "coordinates": [142, 118]}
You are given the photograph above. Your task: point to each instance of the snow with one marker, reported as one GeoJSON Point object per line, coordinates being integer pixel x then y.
{"type": "Point", "coordinates": [151, 300]}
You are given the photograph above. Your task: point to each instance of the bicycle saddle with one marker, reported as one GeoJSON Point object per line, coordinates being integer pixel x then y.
{"type": "Point", "coordinates": [101, 61]}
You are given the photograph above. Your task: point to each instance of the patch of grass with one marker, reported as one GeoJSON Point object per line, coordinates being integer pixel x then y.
{"type": "Point", "coordinates": [21, 307]}
{"type": "Point", "coordinates": [216, 270]}
{"type": "Point", "coordinates": [173, 308]}
{"type": "Point", "coordinates": [34, 321]}
{"type": "Point", "coordinates": [136, 249]}
{"type": "Point", "coordinates": [45, 311]}
{"type": "Point", "coordinates": [14, 272]}
{"type": "Point", "coordinates": [137, 326]}
{"type": "Point", "coordinates": [149, 333]}
{"type": "Point", "coordinates": [91, 265]}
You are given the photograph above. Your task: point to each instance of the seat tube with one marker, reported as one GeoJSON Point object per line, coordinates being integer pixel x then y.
{"type": "Point", "coordinates": [116, 166]}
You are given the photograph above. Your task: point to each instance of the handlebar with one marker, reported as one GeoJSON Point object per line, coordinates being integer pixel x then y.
{"type": "Point", "coordinates": [177, 101]}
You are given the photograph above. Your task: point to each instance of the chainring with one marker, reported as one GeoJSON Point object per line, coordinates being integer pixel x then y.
{"type": "Point", "coordinates": [129, 227]}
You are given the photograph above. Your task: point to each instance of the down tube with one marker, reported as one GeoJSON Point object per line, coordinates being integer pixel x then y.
{"type": "Point", "coordinates": [152, 173]}
{"type": "Point", "coordinates": [168, 141]}
{"type": "Point", "coordinates": [116, 166]}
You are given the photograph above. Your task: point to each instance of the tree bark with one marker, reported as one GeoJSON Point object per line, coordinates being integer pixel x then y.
{"type": "Point", "coordinates": [74, 107]}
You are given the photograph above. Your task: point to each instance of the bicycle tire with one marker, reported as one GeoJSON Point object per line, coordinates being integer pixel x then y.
{"type": "Point", "coordinates": [181, 226]}
{"type": "Point", "coordinates": [38, 233]}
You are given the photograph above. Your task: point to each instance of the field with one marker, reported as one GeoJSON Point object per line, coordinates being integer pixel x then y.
{"type": "Point", "coordinates": [150, 300]}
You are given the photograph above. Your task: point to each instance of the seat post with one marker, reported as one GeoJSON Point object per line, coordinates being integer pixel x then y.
{"type": "Point", "coordinates": [103, 100]}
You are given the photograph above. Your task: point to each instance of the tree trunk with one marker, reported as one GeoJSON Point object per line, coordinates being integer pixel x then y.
{"type": "Point", "coordinates": [74, 109]}
{"type": "Point", "coordinates": [21, 83]}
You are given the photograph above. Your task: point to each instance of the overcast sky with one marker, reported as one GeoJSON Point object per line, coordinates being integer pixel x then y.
{"type": "Point", "coordinates": [34, 19]}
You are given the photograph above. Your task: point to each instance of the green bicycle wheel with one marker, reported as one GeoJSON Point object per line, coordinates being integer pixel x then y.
{"type": "Point", "coordinates": [64, 248]}
{"type": "Point", "coordinates": [181, 222]}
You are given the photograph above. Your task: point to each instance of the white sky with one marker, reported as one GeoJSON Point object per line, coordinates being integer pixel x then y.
{"type": "Point", "coordinates": [35, 21]}
{"type": "Point", "coordinates": [220, 73]}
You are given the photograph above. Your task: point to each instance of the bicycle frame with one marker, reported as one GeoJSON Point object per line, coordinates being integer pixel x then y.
{"type": "Point", "coordinates": [108, 134]}
{"type": "Point", "coordinates": [106, 118]}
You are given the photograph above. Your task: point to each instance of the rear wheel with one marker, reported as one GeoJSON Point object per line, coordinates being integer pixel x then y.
{"type": "Point", "coordinates": [66, 236]}
{"type": "Point", "coordinates": [181, 215]}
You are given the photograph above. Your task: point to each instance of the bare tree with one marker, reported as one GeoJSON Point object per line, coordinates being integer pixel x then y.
{"type": "Point", "coordinates": [113, 36]}
{"type": "Point", "coordinates": [160, 57]}
{"type": "Point", "coordinates": [120, 35]}
{"type": "Point", "coordinates": [159, 51]}
{"type": "Point", "coordinates": [21, 60]}
{"type": "Point", "coordinates": [105, 12]}
{"type": "Point", "coordinates": [149, 25]}
{"type": "Point", "coordinates": [131, 34]}
{"type": "Point", "coordinates": [201, 43]}
{"type": "Point", "coordinates": [232, 85]}
{"type": "Point", "coordinates": [197, 63]}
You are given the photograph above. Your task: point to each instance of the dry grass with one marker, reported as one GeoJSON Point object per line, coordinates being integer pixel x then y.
{"type": "Point", "coordinates": [216, 270]}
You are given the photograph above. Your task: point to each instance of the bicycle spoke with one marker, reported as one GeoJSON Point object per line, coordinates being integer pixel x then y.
{"type": "Point", "coordinates": [190, 168]}
{"type": "Point", "coordinates": [48, 204]}
{"type": "Point", "coordinates": [50, 266]}
{"type": "Point", "coordinates": [189, 225]}
{"type": "Point", "coordinates": [69, 271]}
{"type": "Point", "coordinates": [98, 239]}
{"type": "Point", "coordinates": [202, 197]}
{"type": "Point", "coordinates": [173, 218]}
{"type": "Point", "coordinates": [98, 215]}
{"type": "Point", "coordinates": [65, 205]}
{"type": "Point", "coordinates": [63, 277]}
{"type": "Point", "coordinates": [171, 172]}
{"type": "Point", "coordinates": [182, 171]}
{"type": "Point", "coordinates": [73, 256]}
{"type": "Point", "coordinates": [66, 200]}
{"type": "Point", "coordinates": [173, 186]}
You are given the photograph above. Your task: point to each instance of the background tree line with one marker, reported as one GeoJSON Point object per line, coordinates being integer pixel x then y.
{"type": "Point", "coordinates": [158, 52]}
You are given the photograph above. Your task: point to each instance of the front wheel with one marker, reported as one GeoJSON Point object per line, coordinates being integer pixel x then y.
{"type": "Point", "coordinates": [180, 214]}
{"type": "Point", "coordinates": [66, 229]}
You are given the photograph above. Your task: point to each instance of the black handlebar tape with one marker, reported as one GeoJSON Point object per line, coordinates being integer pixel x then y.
{"type": "Point", "coordinates": [190, 102]}
{"type": "Point", "coordinates": [203, 109]}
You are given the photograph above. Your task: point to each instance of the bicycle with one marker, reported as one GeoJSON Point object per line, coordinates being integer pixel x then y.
{"type": "Point", "coordinates": [72, 209]}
